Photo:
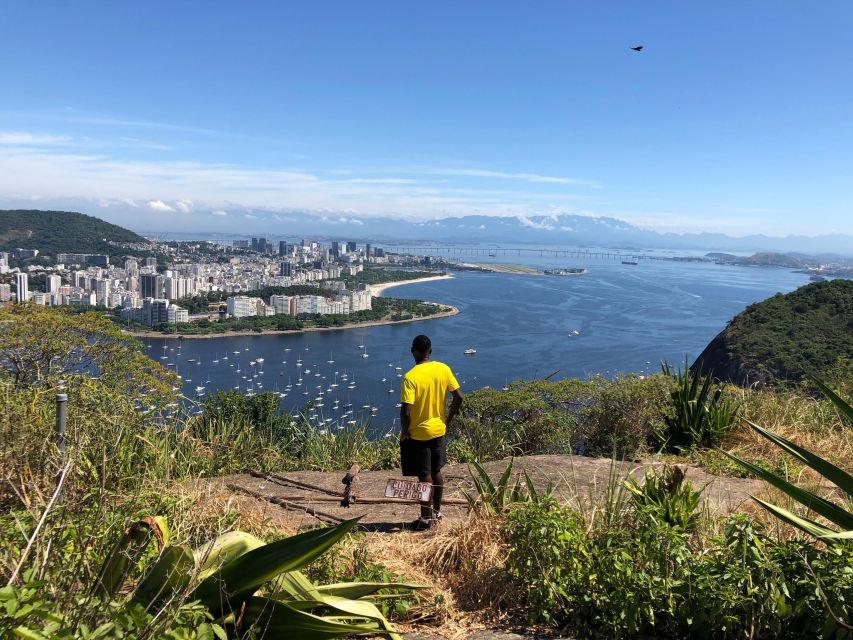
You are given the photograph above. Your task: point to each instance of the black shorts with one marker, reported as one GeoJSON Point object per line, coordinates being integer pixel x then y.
{"type": "Point", "coordinates": [422, 458]}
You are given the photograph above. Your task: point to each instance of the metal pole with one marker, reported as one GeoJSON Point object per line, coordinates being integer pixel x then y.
{"type": "Point", "coordinates": [61, 419]}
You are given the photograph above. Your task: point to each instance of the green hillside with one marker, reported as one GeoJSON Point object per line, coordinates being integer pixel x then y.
{"type": "Point", "coordinates": [808, 331]}
{"type": "Point", "coordinates": [53, 232]}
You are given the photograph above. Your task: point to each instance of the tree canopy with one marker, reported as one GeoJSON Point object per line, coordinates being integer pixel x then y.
{"type": "Point", "coordinates": [41, 345]}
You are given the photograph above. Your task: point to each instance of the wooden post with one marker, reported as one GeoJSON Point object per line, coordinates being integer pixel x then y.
{"type": "Point", "coordinates": [351, 489]}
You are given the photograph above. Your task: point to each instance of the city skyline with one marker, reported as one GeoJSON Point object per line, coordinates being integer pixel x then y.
{"type": "Point", "coordinates": [732, 119]}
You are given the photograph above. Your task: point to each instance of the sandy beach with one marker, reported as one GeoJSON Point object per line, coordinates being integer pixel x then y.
{"type": "Point", "coordinates": [378, 289]}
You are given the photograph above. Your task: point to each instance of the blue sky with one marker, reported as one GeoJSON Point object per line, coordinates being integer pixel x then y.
{"type": "Point", "coordinates": [736, 117]}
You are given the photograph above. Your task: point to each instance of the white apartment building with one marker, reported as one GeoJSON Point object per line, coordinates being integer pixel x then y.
{"type": "Point", "coordinates": [177, 314]}
{"type": "Point", "coordinates": [241, 306]}
{"type": "Point", "coordinates": [52, 283]}
{"type": "Point", "coordinates": [23, 283]}
{"type": "Point", "coordinates": [281, 304]}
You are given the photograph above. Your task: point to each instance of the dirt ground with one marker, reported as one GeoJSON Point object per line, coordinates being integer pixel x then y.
{"type": "Point", "coordinates": [288, 501]}
{"type": "Point", "coordinates": [571, 477]}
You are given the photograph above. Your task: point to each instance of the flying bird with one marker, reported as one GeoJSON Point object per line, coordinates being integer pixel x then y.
{"type": "Point", "coordinates": [638, 49]}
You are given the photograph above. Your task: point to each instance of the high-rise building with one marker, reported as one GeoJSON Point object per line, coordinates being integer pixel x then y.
{"type": "Point", "coordinates": [151, 285]}
{"type": "Point", "coordinates": [351, 247]}
{"type": "Point", "coordinates": [5, 292]}
{"type": "Point", "coordinates": [175, 288]}
{"type": "Point", "coordinates": [367, 251]}
{"type": "Point", "coordinates": [52, 283]}
{"type": "Point", "coordinates": [282, 248]}
{"type": "Point", "coordinates": [262, 245]}
{"type": "Point", "coordinates": [285, 269]}
{"type": "Point", "coordinates": [102, 291]}
{"type": "Point", "coordinates": [336, 249]}
{"type": "Point", "coordinates": [131, 266]}
{"type": "Point", "coordinates": [23, 283]}
{"type": "Point", "coordinates": [254, 244]}
{"type": "Point", "coordinates": [151, 262]}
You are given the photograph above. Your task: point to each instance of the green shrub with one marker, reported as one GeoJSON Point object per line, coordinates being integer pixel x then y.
{"type": "Point", "coordinates": [620, 417]}
{"type": "Point", "coordinates": [548, 555]}
{"type": "Point", "coordinates": [650, 579]}
{"type": "Point", "coordinates": [596, 417]}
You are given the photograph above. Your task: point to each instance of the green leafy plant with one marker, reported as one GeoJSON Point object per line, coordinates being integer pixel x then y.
{"type": "Point", "coordinates": [702, 414]}
{"type": "Point", "coordinates": [667, 495]}
{"type": "Point", "coordinates": [496, 498]}
{"type": "Point", "coordinates": [225, 576]}
{"type": "Point", "coordinates": [836, 514]}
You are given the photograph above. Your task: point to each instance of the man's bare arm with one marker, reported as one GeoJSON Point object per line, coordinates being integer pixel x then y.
{"type": "Point", "coordinates": [405, 420]}
{"type": "Point", "coordinates": [455, 405]}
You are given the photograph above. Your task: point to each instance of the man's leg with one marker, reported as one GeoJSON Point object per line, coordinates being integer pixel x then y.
{"type": "Point", "coordinates": [437, 492]}
{"type": "Point", "coordinates": [438, 458]}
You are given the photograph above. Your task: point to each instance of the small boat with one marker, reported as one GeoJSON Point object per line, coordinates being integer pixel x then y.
{"type": "Point", "coordinates": [629, 262]}
{"type": "Point", "coordinates": [469, 352]}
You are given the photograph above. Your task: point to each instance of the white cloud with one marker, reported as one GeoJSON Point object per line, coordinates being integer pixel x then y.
{"type": "Point", "coordinates": [26, 138]}
{"type": "Point", "coordinates": [529, 177]}
{"type": "Point", "coordinates": [43, 172]}
{"type": "Point", "coordinates": [219, 213]}
{"type": "Point", "coordinates": [159, 205]}
{"type": "Point", "coordinates": [527, 222]}
{"type": "Point", "coordinates": [250, 216]}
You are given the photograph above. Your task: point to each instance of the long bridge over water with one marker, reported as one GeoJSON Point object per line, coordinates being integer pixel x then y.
{"type": "Point", "coordinates": [498, 251]}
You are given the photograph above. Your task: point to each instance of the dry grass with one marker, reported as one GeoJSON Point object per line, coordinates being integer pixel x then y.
{"type": "Point", "coordinates": [811, 423]}
{"type": "Point", "coordinates": [464, 563]}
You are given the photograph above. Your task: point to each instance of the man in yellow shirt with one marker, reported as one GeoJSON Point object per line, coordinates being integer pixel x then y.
{"type": "Point", "coordinates": [423, 397]}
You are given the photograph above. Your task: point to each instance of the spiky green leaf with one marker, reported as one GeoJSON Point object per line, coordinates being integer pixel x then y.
{"type": "Point", "coordinates": [843, 406]}
{"type": "Point", "coordinates": [240, 578]}
{"type": "Point", "coordinates": [840, 478]}
{"type": "Point", "coordinates": [828, 510]}
{"type": "Point", "coordinates": [170, 574]}
{"type": "Point", "coordinates": [355, 590]}
{"type": "Point", "coordinates": [804, 524]}
{"type": "Point", "coordinates": [279, 620]}
{"type": "Point", "coordinates": [223, 549]}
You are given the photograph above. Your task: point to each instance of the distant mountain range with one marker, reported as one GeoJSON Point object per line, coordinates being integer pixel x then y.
{"type": "Point", "coordinates": [563, 229]}
{"type": "Point", "coordinates": [55, 230]}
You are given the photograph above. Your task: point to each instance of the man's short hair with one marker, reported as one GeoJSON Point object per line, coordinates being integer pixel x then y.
{"type": "Point", "coordinates": [421, 344]}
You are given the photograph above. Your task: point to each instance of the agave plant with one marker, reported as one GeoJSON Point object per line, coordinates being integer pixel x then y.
{"type": "Point", "coordinates": [701, 416]}
{"type": "Point", "coordinates": [836, 514]}
{"type": "Point", "coordinates": [495, 498]}
{"type": "Point", "coordinates": [669, 495]}
{"type": "Point", "coordinates": [227, 575]}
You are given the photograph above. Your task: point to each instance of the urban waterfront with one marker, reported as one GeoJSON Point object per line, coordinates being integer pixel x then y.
{"type": "Point", "coordinates": [617, 318]}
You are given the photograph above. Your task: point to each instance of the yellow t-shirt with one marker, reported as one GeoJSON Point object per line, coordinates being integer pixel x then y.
{"type": "Point", "coordinates": [425, 387]}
